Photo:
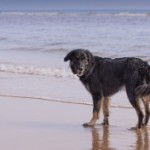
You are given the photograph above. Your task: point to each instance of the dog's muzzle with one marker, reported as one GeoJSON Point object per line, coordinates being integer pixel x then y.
{"type": "Point", "coordinates": [80, 72]}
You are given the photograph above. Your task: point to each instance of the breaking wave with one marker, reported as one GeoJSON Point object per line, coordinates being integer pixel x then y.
{"type": "Point", "coordinates": [76, 13]}
{"type": "Point", "coordinates": [34, 70]}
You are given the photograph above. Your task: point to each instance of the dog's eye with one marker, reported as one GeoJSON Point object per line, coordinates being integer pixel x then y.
{"type": "Point", "coordinates": [77, 58]}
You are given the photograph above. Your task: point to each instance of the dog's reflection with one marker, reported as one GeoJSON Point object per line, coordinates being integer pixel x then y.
{"type": "Point", "coordinates": [142, 141]}
{"type": "Point", "coordinates": [100, 140]}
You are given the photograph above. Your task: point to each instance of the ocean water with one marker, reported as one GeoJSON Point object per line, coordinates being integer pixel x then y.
{"type": "Point", "coordinates": [35, 43]}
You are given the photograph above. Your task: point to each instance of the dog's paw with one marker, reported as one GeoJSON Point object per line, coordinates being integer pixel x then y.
{"type": "Point", "coordinates": [133, 128]}
{"type": "Point", "coordinates": [88, 125]}
{"type": "Point", "coordinates": [144, 125]}
{"type": "Point", "coordinates": [105, 123]}
{"type": "Point", "coordinates": [137, 129]}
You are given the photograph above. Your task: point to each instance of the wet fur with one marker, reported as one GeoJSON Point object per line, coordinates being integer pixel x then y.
{"type": "Point", "coordinates": [103, 77]}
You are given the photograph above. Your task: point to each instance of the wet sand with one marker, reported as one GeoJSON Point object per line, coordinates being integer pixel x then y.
{"type": "Point", "coordinates": [34, 124]}
{"type": "Point", "coordinates": [29, 124]}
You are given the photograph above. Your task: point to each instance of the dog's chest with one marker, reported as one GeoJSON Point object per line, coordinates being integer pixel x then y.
{"type": "Point", "coordinates": [87, 86]}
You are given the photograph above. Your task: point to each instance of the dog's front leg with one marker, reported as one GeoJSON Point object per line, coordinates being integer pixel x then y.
{"type": "Point", "coordinates": [106, 106]}
{"type": "Point", "coordinates": [97, 105]}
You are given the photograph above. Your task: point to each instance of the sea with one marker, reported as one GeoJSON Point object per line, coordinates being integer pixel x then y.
{"type": "Point", "coordinates": [34, 43]}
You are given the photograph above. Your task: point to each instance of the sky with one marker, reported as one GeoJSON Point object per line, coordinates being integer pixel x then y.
{"type": "Point", "coordinates": [73, 4]}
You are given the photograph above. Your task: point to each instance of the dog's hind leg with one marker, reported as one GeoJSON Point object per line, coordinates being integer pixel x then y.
{"type": "Point", "coordinates": [145, 101]}
{"type": "Point", "coordinates": [139, 113]}
{"type": "Point", "coordinates": [135, 102]}
{"type": "Point", "coordinates": [97, 105]}
{"type": "Point", "coordinates": [131, 82]}
{"type": "Point", "coordinates": [106, 106]}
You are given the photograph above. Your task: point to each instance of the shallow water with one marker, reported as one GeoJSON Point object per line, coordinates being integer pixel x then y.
{"type": "Point", "coordinates": [35, 44]}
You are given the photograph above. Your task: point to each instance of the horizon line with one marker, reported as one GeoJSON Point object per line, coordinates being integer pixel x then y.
{"type": "Point", "coordinates": [88, 9]}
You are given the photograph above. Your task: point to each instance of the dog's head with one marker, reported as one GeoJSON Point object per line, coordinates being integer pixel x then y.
{"type": "Point", "coordinates": [80, 61]}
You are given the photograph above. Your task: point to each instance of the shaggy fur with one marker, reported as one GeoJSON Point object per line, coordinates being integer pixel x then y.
{"type": "Point", "coordinates": [103, 77]}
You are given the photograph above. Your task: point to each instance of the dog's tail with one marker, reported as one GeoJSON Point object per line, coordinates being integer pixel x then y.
{"type": "Point", "coordinates": [144, 90]}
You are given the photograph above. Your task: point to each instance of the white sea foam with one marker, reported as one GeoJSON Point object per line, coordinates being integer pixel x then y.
{"type": "Point", "coordinates": [30, 13]}
{"type": "Point", "coordinates": [128, 14]}
{"type": "Point", "coordinates": [88, 13]}
{"type": "Point", "coordinates": [34, 70]}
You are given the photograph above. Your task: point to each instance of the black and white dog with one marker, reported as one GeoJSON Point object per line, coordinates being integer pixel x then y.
{"type": "Point", "coordinates": [104, 77]}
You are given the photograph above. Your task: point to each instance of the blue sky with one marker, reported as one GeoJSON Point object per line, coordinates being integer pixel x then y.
{"type": "Point", "coordinates": [73, 4]}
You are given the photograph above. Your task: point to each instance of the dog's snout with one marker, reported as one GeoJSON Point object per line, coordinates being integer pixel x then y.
{"type": "Point", "coordinates": [80, 69]}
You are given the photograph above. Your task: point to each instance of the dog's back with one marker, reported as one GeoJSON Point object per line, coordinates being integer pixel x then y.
{"type": "Point", "coordinates": [110, 75]}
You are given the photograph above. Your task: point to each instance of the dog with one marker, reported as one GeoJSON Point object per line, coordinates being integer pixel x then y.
{"type": "Point", "coordinates": [103, 77]}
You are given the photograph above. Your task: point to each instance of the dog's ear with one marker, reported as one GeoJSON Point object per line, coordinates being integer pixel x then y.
{"type": "Point", "coordinates": [69, 56]}
{"type": "Point", "coordinates": [90, 57]}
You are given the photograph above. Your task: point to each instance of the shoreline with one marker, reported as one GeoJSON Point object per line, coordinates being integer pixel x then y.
{"type": "Point", "coordinates": [47, 87]}
{"type": "Point", "coordinates": [58, 100]}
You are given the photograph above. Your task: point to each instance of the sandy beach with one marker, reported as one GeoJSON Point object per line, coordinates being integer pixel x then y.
{"type": "Point", "coordinates": [34, 124]}
{"type": "Point", "coordinates": [29, 124]}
